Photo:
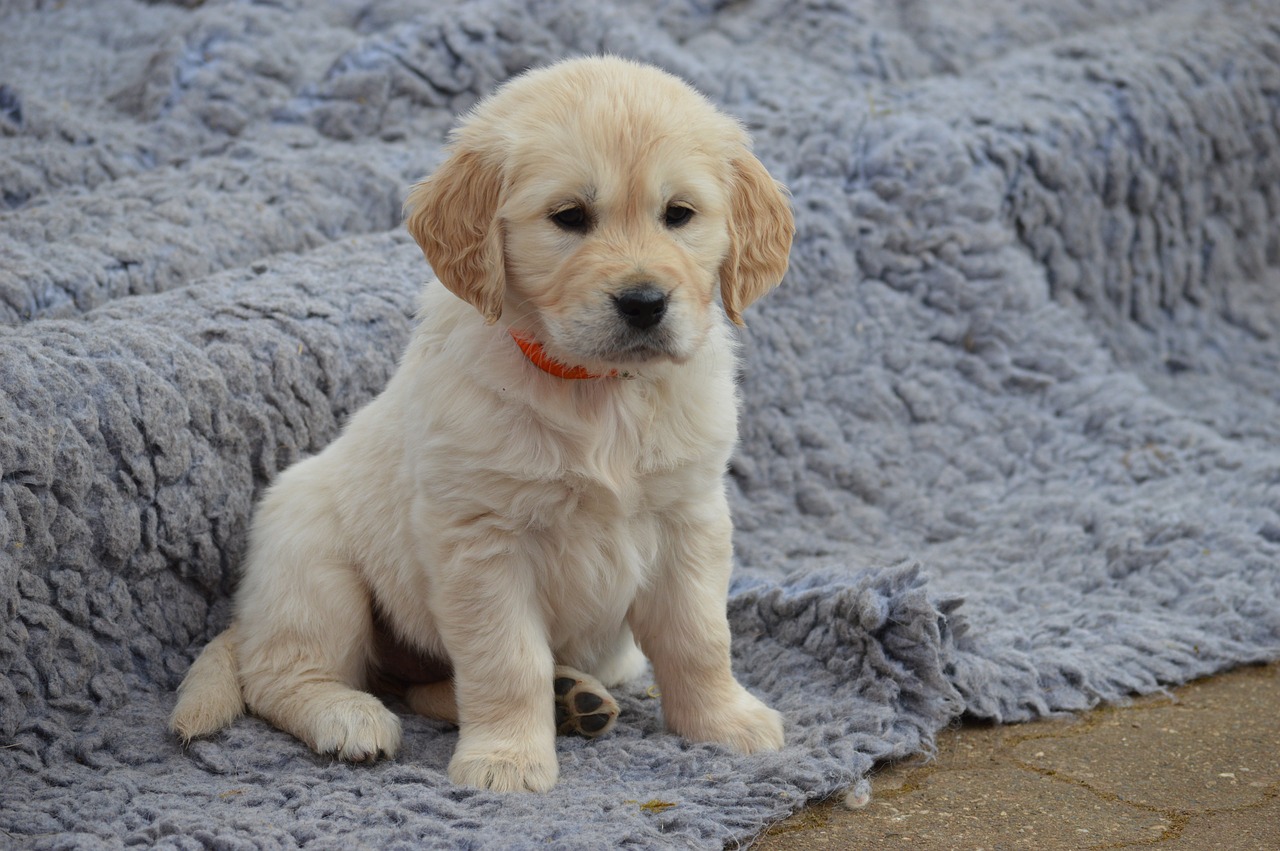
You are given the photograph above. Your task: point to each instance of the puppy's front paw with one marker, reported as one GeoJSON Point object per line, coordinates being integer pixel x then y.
{"type": "Point", "coordinates": [744, 724]}
{"type": "Point", "coordinates": [356, 727]}
{"type": "Point", "coordinates": [505, 767]}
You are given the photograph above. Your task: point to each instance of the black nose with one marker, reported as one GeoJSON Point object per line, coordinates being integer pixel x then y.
{"type": "Point", "coordinates": [641, 307]}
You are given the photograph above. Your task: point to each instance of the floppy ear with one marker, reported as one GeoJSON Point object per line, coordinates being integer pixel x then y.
{"type": "Point", "coordinates": [760, 231]}
{"type": "Point", "coordinates": [453, 216]}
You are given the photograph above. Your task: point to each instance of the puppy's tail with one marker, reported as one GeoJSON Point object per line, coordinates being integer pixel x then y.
{"type": "Point", "coordinates": [209, 697]}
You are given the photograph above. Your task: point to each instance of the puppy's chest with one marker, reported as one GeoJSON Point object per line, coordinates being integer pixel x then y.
{"type": "Point", "coordinates": [597, 550]}
{"type": "Point", "coordinates": [612, 501]}
{"type": "Point", "coordinates": [640, 452]}
{"type": "Point", "coordinates": [616, 495]}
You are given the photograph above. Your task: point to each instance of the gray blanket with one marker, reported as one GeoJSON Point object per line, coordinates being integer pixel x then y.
{"type": "Point", "coordinates": [1012, 436]}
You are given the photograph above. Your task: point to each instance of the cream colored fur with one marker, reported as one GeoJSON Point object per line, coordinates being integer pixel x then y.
{"type": "Point", "coordinates": [498, 517]}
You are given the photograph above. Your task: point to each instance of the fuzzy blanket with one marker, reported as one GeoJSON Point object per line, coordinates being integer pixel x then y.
{"type": "Point", "coordinates": [1012, 436]}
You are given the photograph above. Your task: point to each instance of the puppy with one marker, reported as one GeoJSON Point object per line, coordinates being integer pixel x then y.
{"type": "Point", "coordinates": [540, 486]}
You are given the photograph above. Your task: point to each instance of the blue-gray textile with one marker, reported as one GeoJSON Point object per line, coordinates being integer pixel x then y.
{"type": "Point", "coordinates": [1011, 441]}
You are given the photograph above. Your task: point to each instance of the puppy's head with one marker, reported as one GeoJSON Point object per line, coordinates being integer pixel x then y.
{"type": "Point", "coordinates": [598, 205]}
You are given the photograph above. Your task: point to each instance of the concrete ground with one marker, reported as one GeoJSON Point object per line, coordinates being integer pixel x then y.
{"type": "Point", "coordinates": [1199, 769]}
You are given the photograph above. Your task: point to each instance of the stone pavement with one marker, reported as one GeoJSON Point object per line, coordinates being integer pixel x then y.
{"type": "Point", "coordinates": [1196, 769]}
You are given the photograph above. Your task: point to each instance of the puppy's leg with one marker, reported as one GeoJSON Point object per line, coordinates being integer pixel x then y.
{"type": "Point", "coordinates": [488, 617]}
{"type": "Point", "coordinates": [583, 705]}
{"type": "Point", "coordinates": [680, 623]}
{"type": "Point", "coordinates": [303, 659]}
{"type": "Point", "coordinates": [434, 700]}
{"type": "Point", "coordinates": [305, 624]}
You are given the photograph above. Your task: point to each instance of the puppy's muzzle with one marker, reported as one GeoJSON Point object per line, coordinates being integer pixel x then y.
{"type": "Point", "coordinates": [641, 307]}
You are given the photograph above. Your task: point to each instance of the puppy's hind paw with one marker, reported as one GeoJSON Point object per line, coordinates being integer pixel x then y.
{"type": "Point", "coordinates": [583, 705]}
{"type": "Point", "coordinates": [355, 728]}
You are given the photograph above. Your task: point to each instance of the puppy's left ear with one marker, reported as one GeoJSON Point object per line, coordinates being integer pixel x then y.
{"type": "Point", "coordinates": [453, 215]}
{"type": "Point", "coordinates": [760, 231]}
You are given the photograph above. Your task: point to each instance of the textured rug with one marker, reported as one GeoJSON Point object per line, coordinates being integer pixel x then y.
{"type": "Point", "coordinates": [1012, 436]}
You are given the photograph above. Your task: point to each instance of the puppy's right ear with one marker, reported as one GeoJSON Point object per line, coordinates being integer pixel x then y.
{"type": "Point", "coordinates": [453, 216]}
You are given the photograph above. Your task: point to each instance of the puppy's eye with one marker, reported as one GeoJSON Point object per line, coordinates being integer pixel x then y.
{"type": "Point", "coordinates": [678, 215]}
{"type": "Point", "coordinates": [572, 219]}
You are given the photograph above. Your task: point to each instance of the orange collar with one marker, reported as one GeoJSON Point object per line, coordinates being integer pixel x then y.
{"type": "Point", "coordinates": [537, 355]}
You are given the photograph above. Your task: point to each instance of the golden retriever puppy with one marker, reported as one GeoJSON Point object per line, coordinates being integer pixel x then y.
{"type": "Point", "coordinates": [540, 486]}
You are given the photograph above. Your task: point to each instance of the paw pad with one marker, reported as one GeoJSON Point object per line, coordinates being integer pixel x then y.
{"type": "Point", "coordinates": [583, 705]}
